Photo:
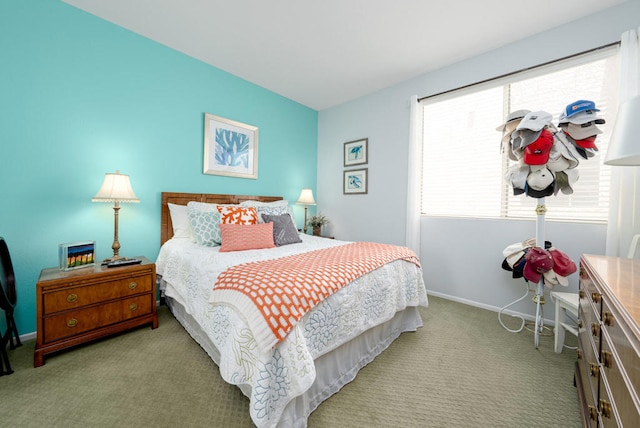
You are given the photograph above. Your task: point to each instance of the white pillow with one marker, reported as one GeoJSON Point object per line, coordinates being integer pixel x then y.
{"type": "Point", "coordinates": [180, 221]}
{"type": "Point", "coordinates": [270, 208]}
{"type": "Point", "coordinates": [281, 203]}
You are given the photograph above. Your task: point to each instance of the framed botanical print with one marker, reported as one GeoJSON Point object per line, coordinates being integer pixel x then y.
{"type": "Point", "coordinates": [230, 147]}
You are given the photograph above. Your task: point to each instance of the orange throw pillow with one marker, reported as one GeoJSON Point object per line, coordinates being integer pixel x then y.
{"type": "Point", "coordinates": [240, 237]}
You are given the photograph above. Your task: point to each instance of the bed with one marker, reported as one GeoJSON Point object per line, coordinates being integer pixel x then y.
{"type": "Point", "coordinates": [322, 352]}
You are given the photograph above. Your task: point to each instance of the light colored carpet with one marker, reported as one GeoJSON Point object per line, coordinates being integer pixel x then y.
{"type": "Point", "coordinates": [462, 369]}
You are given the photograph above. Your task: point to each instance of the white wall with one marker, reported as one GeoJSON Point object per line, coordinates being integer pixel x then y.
{"type": "Point", "coordinates": [461, 257]}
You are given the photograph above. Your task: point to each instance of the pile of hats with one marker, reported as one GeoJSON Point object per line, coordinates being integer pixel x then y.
{"type": "Point", "coordinates": [532, 263]}
{"type": "Point", "coordinates": [547, 156]}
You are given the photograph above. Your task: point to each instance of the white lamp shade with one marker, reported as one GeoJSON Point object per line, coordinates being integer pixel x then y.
{"type": "Point", "coordinates": [116, 187]}
{"type": "Point", "coordinates": [306, 197]}
{"type": "Point", "coordinates": [624, 146]}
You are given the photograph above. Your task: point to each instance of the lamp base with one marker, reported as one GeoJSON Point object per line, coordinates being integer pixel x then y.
{"type": "Point", "coordinates": [114, 258]}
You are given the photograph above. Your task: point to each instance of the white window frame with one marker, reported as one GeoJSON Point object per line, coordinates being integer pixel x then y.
{"type": "Point", "coordinates": [505, 190]}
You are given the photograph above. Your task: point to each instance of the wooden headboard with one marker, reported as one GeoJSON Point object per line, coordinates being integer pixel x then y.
{"type": "Point", "coordinates": [166, 228]}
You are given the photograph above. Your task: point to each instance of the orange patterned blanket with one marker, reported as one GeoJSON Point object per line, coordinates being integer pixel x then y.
{"type": "Point", "coordinates": [274, 294]}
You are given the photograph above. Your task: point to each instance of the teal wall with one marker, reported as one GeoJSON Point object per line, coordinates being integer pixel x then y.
{"type": "Point", "coordinates": [80, 97]}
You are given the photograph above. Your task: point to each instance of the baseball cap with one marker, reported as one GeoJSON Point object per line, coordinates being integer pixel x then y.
{"type": "Point", "coordinates": [563, 266]}
{"type": "Point", "coordinates": [540, 179]}
{"type": "Point", "coordinates": [570, 144]}
{"type": "Point", "coordinates": [540, 193]}
{"type": "Point", "coordinates": [560, 158]}
{"type": "Point", "coordinates": [581, 132]}
{"type": "Point", "coordinates": [565, 181]}
{"type": "Point", "coordinates": [587, 143]}
{"type": "Point", "coordinates": [526, 137]}
{"type": "Point", "coordinates": [538, 261]}
{"type": "Point", "coordinates": [581, 117]}
{"type": "Point", "coordinates": [562, 263]}
{"type": "Point", "coordinates": [578, 106]}
{"type": "Point", "coordinates": [512, 117]}
{"type": "Point", "coordinates": [537, 153]}
{"type": "Point", "coordinates": [535, 120]}
{"type": "Point", "coordinates": [517, 176]}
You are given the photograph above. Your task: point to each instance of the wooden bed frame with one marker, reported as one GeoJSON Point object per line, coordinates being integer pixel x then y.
{"type": "Point", "coordinates": [178, 198]}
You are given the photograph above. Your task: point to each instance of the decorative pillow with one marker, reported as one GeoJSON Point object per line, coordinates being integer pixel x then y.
{"type": "Point", "coordinates": [281, 203]}
{"type": "Point", "coordinates": [239, 237]}
{"type": "Point", "coordinates": [235, 214]}
{"type": "Point", "coordinates": [180, 220]}
{"type": "Point", "coordinates": [270, 208]}
{"type": "Point", "coordinates": [205, 223]}
{"type": "Point", "coordinates": [284, 231]}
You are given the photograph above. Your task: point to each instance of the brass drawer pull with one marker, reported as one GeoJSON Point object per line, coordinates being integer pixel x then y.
{"type": "Point", "coordinates": [580, 323]}
{"type": "Point", "coordinates": [133, 285]}
{"type": "Point", "coordinates": [605, 408]}
{"type": "Point", "coordinates": [607, 359]}
{"type": "Point", "coordinates": [579, 352]}
{"type": "Point", "coordinates": [595, 329]}
{"type": "Point", "coordinates": [581, 294]}
{"type": "Point", "coordinates": [596, 297]}
{"type": "Point", "coordinates": [607, 317]}
{"type": "Point", "coordinates": [133, 307]}
{"type": "Point", "coordinates": [71, 298]}
{"type": "Point", "coordinates": [72, 322]}
{"type": "Point", "coordinates": [594, 369]}
{"type": "Point", "coordinates": [593, 413]}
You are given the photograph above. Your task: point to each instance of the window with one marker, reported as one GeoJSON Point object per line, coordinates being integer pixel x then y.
{"type": "Point", "coordinates": [463, 167]}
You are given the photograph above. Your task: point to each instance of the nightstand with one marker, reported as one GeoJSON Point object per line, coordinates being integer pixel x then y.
{"type": "Point", "coordinates": [78, 306]}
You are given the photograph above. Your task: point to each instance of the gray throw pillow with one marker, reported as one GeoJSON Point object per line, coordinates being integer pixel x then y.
{"type": "Point", "coordinates": [284, 231]}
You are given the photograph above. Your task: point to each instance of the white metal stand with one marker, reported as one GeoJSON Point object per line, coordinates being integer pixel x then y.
{"type": "Point", "coordinates": [541, 209]}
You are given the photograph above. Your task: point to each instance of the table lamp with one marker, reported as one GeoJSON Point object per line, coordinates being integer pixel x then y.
{"type": "Point", "coordinates": [116, 188]}
{"type": "Point", "coordinates": [306, 199]}
{"type": "Point", "coordinates": [624, 146]}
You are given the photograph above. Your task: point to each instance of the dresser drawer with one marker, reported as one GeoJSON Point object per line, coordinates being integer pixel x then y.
{"type": "Point", "coordinates": [76, 297]}
{"type": "Point", "coordinates": [618, 339]}
{"type": "Point", "coordinates": [589, 294]}
{"type": "Point", "coordinates": [78, 321]}
{"type": "Point", "coordinates": [589, 382]}
{"type": "Point", "coordinates": [618, 384]}
{"type": "Point", "coordinates": [607, 407]}
{"type": "Point", "coordinates": [588, 356]}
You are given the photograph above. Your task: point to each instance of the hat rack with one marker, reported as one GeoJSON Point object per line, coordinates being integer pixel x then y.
{"type": "Point", "coordinates": [541, 210]}
{"type": "Point", "coordinates": [554, 152]}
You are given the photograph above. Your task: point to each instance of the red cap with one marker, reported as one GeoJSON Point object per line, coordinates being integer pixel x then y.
{"type": "Point", "coordinates": [537, 153]}
{"type": "Point", "coordinates": [538, 262]}
{"type": "Point", "coordinates": [587, 143]}
{"type": "Point", "coordinates": [562, 264]}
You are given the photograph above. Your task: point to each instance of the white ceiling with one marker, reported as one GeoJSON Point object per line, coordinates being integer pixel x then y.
{"type": "Point", "coordinates": [326, 52]}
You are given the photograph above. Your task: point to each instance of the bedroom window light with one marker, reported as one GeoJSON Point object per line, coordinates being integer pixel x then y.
{"type": "Point", "coordinates": [463, 167]}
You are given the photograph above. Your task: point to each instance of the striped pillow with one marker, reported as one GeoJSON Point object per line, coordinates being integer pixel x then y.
{"type": "Point", "coordinates": [240, 237]}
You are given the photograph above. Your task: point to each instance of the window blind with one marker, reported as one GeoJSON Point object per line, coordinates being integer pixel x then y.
{"type": "Point", "coordinates": [463, 166]}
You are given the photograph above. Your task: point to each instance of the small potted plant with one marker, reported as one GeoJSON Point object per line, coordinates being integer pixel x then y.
{"type": "Point", "coordinates": [316, 222]}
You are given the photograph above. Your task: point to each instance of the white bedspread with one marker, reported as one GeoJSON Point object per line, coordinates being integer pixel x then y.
{"type": "Point", "coordinates": [279, 375]}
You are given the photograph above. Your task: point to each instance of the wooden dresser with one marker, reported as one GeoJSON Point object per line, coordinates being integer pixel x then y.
{"type": "Point", "coordinates": [78, 306]}
{"type": "Point", "coordinates": [608, 365]}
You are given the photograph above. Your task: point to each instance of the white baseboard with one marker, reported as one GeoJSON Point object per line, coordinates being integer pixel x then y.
{"type": "Point", "coordinates": [492, 308]}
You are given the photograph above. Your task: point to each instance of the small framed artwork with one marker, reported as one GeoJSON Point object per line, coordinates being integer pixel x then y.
{"type": "Point", "coordinates": [355, 152]}
{"type": "Point", "coordinates": [230, 147]}
{"type": "Point", "coordinates": [355, 181]}
{"type": "Point", "coordinates": [76, 255]}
